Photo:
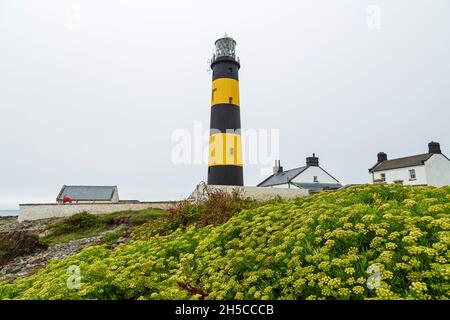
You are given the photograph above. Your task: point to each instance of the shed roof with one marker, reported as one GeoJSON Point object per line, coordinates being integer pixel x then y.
{"type": "Point", "coordinates": [316, 186]}
{"type": "Point", "coordinates": [282, 177]}
{"type": "Point", "coordinates": [80, 193]}
{"type": "Point", "coordinates": [404, 162]}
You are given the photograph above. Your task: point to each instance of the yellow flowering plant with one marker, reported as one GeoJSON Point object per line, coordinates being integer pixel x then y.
{"type": "Point", "coordinates": [362, 242]}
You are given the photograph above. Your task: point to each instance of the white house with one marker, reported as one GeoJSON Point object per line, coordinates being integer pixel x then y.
{"type": "Point", "coordinates": [311, 177]}
{"type": "Point", "coordinates": [432, 168]}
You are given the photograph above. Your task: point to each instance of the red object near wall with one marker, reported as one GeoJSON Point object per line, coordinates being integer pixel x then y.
{"type": "Point", "coordinates": [66, 199]}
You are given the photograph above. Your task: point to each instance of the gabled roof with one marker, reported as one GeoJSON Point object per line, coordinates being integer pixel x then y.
{"type": "Point", "coordinates": [411, 161]}
{"type": "Point", "coordinates": [87, 193]}
{"type": "Point", "coordinates": [282, 177]}
{"type": "Point", "coordinates": [316, 186]}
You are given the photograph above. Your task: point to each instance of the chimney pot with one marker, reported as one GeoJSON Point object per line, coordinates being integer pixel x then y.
{"type": "Point", "coordinates": [277, 168]}
{"type": "Point", "coordinates": [434, 147]}
{"type": "Point", "coordinates": [312, 161]}
{"type": "Point", "coordinates": [381, 157]}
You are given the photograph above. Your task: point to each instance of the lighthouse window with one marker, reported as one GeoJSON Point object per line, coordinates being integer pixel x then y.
{"type": "Point", "coordinates": [231, 151]}
{"type": "Point", "coordinates": [230, 70]}
{"type": "Point", "coordinates": [230, 99]}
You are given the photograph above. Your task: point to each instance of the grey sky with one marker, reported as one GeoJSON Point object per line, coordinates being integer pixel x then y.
{"type": "Point", "coordinates": [98, 105]}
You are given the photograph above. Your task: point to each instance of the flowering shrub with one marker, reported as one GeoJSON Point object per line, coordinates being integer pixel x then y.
{"type": "Point", "coordinates": [217, 208]}
{"type": "Point", "coordinates": [363, 242]}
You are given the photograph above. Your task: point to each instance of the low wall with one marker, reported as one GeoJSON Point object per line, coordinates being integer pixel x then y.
{"type": "Point", "coordinates": [52, 210]}
{"type": "Point", "coordinates": [30, 212]}
{"type": "Point", "coordinates": [257, 193]}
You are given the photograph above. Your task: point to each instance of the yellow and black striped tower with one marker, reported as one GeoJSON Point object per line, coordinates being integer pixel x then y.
{"type": "Point", "coordinates": [225, 147]}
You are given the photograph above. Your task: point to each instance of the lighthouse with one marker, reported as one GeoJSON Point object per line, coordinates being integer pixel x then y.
{"type": "Point", "coordinates": [225, 166]}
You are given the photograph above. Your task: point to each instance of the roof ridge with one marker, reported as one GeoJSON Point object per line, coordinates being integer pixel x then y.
{"type": "Point", "coordinates": [416, 155]}
{"type": "Point", "coordinates": [293, 169]}
{"type": "Point", "coordinates": [84, 186]}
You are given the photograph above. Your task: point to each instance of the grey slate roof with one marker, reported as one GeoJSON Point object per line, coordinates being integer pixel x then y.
{"type": "Point", "coordinates": [411, 161]}
{"type": "Point", "coordinates": [315, 186]}
{"type": "Point", "coordinates": [79, 193]}
{"type": "Point", "coordinates": [282, 177]}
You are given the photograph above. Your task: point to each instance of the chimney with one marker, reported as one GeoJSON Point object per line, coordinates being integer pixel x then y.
{"type": "Point", "coordinates": [381, 157]}
{"type": "Point", "coordinates": [434, 147]}
{"type": "Point", "coordinates": [312, 161]}
{"type": "Point", "coordinates": [277, 168]}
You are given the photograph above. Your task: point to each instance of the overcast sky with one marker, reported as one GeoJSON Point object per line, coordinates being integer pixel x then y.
{"type": "Point", "coordinates": [91, 91]}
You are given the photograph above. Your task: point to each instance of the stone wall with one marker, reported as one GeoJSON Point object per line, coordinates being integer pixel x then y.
{"type": "Point", "coordinates": [257, 193]}
{"type": "Point", "coordinates": [30, 212]}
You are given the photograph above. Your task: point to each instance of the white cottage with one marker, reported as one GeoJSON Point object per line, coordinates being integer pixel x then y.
{"type": "Point", "coordinates": [432, 168]}
{"type": "Point", "coordinates": [311, 177]}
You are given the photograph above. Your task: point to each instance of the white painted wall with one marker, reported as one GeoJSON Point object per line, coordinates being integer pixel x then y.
{"type": "Point", "coordinates": [115, 197]}
{"type": "Point", "coordinates": [437, 170]}
{"type": "Point", "coordinates": [53, 210]}
{"type": "Point", "coordinates": [307, 176]}
{"type": "Point", "coordinates": [403, 174]}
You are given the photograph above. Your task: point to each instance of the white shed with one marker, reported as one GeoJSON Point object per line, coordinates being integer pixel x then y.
{"type": "Point", "coordinates": [89, 194]}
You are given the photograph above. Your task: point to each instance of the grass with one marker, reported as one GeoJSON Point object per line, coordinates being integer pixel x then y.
{"type": "Point", "coordinates": [84, 225]}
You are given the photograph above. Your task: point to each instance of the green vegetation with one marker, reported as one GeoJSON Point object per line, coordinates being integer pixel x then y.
{"type": "Point", "coordinates": [217, 209]}
{"type": "Point", "coordinates": [83, 225]}
{"type": "Point", "coordinates": [320, 247]}
{"type": "Point", "coordinates": [111, 237]}
{"type": "Point", "coordinates": [17, 243]}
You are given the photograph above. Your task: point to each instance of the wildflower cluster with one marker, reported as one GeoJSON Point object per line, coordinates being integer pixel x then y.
{"type": "Point", "coordinates": [320, 247]}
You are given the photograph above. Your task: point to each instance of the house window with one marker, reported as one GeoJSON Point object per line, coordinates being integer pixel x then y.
{"type": "Point", "coordinates": [383, 176]}
{"type": "Point", "coordinates": [315, 179]}
{"type": "Point", "coordinates": [412, 174]}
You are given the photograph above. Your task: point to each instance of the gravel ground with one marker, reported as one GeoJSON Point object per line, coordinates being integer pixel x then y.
{"type": "Point", "coordinates": [26, 265]}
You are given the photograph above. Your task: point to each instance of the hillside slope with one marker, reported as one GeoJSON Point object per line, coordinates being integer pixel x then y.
{"type": "Point", "coordinates": [386, 242]}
